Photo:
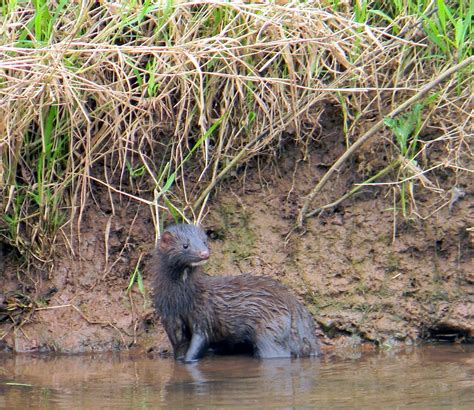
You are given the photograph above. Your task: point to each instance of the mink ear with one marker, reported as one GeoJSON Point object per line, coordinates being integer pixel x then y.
{"type": "Point", "coordinates": [166, 240]}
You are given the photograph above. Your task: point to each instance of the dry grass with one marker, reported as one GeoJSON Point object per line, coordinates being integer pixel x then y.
{"type": "Point", "coordinates": [159, 101]}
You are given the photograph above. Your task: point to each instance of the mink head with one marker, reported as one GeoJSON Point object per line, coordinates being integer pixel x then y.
{"type": "Point", "coordinates": [182, 246]}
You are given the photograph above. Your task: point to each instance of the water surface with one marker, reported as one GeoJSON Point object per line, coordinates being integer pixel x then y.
{"type": "Point", "coordinates": [424, 377]}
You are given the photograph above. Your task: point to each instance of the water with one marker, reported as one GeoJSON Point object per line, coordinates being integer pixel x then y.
{"type": "Point", "coordinates": [425, 377]}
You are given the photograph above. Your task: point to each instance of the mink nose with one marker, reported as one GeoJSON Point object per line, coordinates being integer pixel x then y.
{"type": "Point", "coordinates": [204, 254]}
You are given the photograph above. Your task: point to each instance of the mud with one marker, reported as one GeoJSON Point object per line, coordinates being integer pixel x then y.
{"type": "Point", "coordinates": [365, 272]}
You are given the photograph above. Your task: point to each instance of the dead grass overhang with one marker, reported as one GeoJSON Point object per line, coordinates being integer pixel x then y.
{"type": "Point", "coordinates": [157, 102]}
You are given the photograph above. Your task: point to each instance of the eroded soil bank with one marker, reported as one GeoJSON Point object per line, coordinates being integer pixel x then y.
{"type": "Point", "coordinates": [365, 273]}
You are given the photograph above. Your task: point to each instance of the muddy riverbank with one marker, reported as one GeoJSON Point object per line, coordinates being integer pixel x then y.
{"type": "Point", "coordinates": [365, 272]}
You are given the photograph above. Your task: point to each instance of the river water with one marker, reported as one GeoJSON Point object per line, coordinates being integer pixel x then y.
{"type": "Point", "coordinates": [423, 377]}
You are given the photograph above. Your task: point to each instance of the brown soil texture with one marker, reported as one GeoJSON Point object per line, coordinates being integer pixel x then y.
{"type": "Point", "coordinates": [365, 273]}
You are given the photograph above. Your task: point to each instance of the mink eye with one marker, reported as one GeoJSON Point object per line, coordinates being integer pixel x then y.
{"type": "Point", "coordinates": [185, 245]}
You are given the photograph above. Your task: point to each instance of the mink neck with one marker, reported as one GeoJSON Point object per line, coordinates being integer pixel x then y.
{"type": "Point", "coordinates": [173, 271]}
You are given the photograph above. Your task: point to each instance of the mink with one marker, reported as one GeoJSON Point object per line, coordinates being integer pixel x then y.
{"type": "Point", "coordinates": [232, 313]}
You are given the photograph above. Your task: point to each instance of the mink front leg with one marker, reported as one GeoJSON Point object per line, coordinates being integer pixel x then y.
{"type": "Point", "coordinates": [179, 336]}
{"type": "Point", "coordinates": [197, 348]}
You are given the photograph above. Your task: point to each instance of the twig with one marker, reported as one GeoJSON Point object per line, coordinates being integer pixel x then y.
{"type": "Point", "coordinates": [90, 321]}
{"type": "Point", "coordinates": [303, 212]}
{"type": "Point", "coordinates": [357, 188]}
{"type": "Point", "coordinates": [229, 166]}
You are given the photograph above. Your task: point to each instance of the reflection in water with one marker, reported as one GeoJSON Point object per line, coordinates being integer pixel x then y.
{"type": "Point", "coordinates": [244, 380]}
{"type": "Point", "coordinates": [423, 377]}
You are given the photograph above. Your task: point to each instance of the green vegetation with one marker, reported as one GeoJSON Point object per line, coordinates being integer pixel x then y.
{"type": "Point", "coordinates": [136, 277]}
{"type": "Point", "coordinates": [447, 24]}
{"type": "Point", "coordinates": [160, 100]}
{"type": "Point", "coordinates": [406, 129]}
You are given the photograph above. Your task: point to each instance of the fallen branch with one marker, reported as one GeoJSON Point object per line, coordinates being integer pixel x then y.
{"type": "Point", "coordinates": [379, 125]}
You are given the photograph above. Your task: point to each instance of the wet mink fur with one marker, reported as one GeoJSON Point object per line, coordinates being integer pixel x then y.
{"type": "Point", "coordinates": [199, 311]}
